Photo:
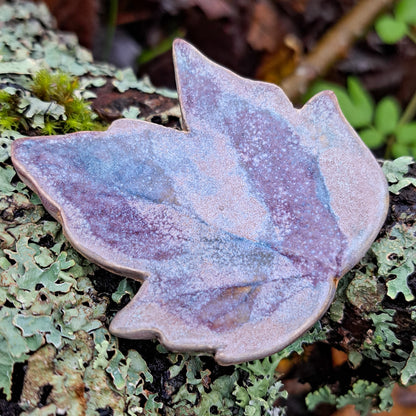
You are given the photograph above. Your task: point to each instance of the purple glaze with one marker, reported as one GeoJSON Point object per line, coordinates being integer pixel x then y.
{"type": "Point", "coordinates": [239, 225]}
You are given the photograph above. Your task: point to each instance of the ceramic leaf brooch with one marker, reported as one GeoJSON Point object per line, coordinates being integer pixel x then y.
{"type": "Point", "coordinates": [239, 226]}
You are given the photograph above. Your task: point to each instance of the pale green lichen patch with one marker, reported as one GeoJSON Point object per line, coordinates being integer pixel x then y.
{"type": "Point", "coordinates": [395, 171]}
{"type": "Point", "coordinates": [396, 256]}
{"type": "Point", "coordinates": [379, 294]}
{"type": "Point", "coordinates": [54, 320]}
{"type": "Point", "coordinates": [365, 292]}
{"type": "Point", "coordinates": [409, 369]}
{"type": "Point", "coordinates": [38, 65]}
{"type": "Point", "coordinates": [125, 79]}
{"type": "Point", "coordinates": [361, 396]}
{"type": "Point", "coordinates": [52, 312]}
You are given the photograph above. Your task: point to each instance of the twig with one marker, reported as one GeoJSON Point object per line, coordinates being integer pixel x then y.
{"type": "Point", "coordinates": [333, 45]}
{"type": "Point", "coordinates": [407, 116]}
{"type": "Point", "coordinates": [410, 111]}
{"type": "Point", "coordinates": [411, 36]}
{"type": "Point", "coordinates": [111, 27]}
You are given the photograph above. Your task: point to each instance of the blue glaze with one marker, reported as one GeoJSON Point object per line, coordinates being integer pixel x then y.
{"type": "Point", "coordinates": [235, 225]}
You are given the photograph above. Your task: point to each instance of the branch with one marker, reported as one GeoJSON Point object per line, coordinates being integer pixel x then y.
{"type": "Point", "coordinates": [333, 46]}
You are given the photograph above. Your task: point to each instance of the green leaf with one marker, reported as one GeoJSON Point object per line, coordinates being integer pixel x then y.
{"type": "Point", "coordinates": [12, 341]}
{"type": "Point", "coordinates": [344, 101]}
{"type": "Point", "coordinates": [6, 369]}
{"type": "Point", "coordinates": [400, 150]}
{"type": "Point", "coordinates": [315, 334]}
{"type": "Point", "coordinates": [387, 115]}
{"type": "Point", "coordinates": [220, 396]}
{"type": "Point", "coordinates": [372, 138]}
{"type": "Point", "coordinates": [184, 396]}
{"type": "Point", "coordinates": [164, 45]}
{"type": "Point", "coordinates": [409, 370]}
{"type": "Point", "coordinates": [322, 85]}
{"type": "Point", "coordinates": [13, 348]}
{"type": "Point", "coordinates": [7, 136]}
{"type": "Point", "coordinates": [57, 58]}
{"type": "Point", "coordinates": [395, 189]}
{"type": "Point", "coordinates": [18, 67]}
{"type": "Point", "coordinates": [389, 29]}
{"type": "Point", "coordinates": [262, 388]}
{"type": "Point", "coordinates": [405, 11]}
{"type": "Point", "coordinates": [363, 103]}
{"type": "Point", "coordinates": [7, 13]}
{"type": "Point", "coordinates": [259, 387]}
{"type": "Point", "coordinates": [349, 110]}
{"type": "Point", "coordinates": [44, 259]}
{"type": "Point", "coordinates": [356, 104]}
{"type": "Point", "coordinates": [80, 319]}
{"type": "Point", "coordinates": [406, 134]}
{"type": "Point", "coordinates": [395, 256]}
{"type": "Point", "coordinates": [101, 360]}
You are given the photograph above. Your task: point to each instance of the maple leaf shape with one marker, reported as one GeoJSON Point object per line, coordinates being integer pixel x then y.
{"type": "Point", "coordinates": [238, 226]}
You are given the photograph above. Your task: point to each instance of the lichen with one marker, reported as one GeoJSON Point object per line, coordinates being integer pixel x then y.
{"type": "Point", "coordinates": [54, 315]}
{"type": "Point", "coordinates": [379, 294]}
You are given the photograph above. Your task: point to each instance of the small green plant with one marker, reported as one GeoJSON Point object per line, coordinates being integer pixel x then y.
{"type": "Point", "coordinates": [163, 46]}
{"type": "Point", "coordinates": [60, 87]}
{"type": "Point", "coordinates": [381, 124]}
{"type": "Point", "coordinates": [392, 28]}
{"type": "Point", "coordinates": [378, 124]}
{"type": "Point", "coordinates": [49, 106]}
{"type": "Point", "coordinates": [10, 119]}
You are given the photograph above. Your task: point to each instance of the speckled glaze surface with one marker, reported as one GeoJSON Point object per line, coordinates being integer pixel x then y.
{"type": "Point", "coordinates": [239, 226]}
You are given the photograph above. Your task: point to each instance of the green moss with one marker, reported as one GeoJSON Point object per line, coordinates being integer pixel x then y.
{"type": "Point", "coordinates": [61, 88]}
{"type": "Point", "coordinates": [50, 106]}
{"type": "Point", "coordinates": [53, 319]}
{"type": "Point", "coordinates": [10, 118]}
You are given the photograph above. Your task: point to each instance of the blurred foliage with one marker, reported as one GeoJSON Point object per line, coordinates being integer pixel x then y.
{"type": "Point", "coordinates": [379, 125]}
{"type": "Point", "coordinates": [392, 28]}
{"type": "Point", "coordinates": [383, 124]}
{"type": "Point", "coordinates": [165, 45]}
{"type": "Point", "coordinates": [54, 319]}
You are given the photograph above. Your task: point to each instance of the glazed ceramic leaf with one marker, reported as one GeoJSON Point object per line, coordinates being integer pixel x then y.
{"type": "Point", "coordinates": [238, 226]}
